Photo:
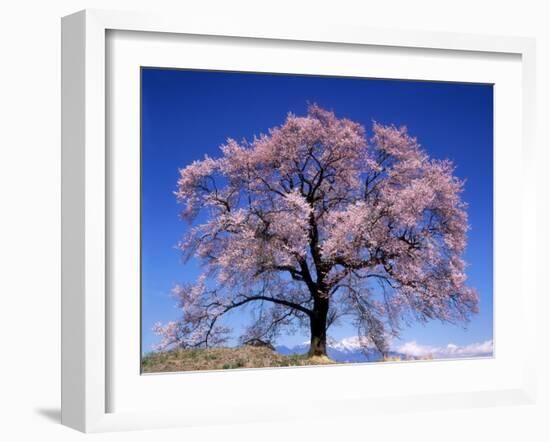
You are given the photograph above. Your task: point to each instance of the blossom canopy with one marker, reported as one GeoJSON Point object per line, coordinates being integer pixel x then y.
{"type": "Point", "coordinates": [318, 222]}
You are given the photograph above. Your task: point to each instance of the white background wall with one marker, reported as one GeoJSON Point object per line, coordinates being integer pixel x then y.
{"type": "Point", "coordinates": [30, 215]}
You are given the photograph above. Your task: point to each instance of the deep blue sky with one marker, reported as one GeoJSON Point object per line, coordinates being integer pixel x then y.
{"type": "Point", "coordinates": [187, 114]}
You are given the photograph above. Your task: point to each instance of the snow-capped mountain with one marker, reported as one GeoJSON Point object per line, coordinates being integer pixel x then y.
{"type": "Point", "coordinates": [345, 350]}
{"type": "Point", "coordinates": [350, 350]}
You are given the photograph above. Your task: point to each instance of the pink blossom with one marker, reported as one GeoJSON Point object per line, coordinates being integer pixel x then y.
{"type": "Point", "coordinates": [322, 223]}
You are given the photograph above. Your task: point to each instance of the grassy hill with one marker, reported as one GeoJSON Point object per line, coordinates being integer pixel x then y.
{"type": "Point", "coordinates": [246, 356]}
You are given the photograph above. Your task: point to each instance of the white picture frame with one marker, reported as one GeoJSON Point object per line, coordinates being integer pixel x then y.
{"type": "Point", "coordinates": [86, 202]}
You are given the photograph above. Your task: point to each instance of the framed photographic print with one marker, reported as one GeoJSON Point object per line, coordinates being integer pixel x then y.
{"type": "Point", "coordinates": [253, 210]}
{"type": "Point", "coordinates": [317, 241]}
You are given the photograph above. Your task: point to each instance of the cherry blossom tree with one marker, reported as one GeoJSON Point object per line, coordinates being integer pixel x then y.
{"type": "Point", "coordinates": [315, 223]}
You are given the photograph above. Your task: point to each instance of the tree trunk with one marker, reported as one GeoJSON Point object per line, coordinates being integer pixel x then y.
{"type": "Point", "coordinates": [318, 322]}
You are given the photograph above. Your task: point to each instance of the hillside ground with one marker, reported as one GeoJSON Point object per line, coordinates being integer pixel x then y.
{"type": "Point", "coordinates": [246, 356]}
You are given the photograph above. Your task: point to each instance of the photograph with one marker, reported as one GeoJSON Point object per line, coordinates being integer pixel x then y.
{"type": "Point", "coordinates": [308, 220]}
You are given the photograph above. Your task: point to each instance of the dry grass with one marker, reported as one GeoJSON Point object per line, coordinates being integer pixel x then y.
{"type": "Point", "coordinates": [224, 359]}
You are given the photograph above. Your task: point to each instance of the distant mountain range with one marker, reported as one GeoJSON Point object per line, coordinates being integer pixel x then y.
{"type": "Point", "coordinates": [350, 350]}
